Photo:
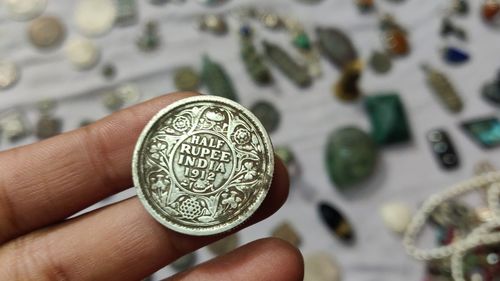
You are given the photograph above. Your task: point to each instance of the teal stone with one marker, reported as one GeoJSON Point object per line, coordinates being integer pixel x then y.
{"type": "Point", "coordinates": [388, 119]}
{"type": "Point", "coordinates": [351, 157]}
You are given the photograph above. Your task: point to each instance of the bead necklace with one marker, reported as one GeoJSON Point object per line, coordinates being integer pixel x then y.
{"type": "Point", "coordinates": [483, 235]}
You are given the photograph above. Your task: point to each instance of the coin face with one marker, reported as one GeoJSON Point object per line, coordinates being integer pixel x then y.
{"type": "Point", "coordinates": [24, 10]}
{"type": "Point", "coordinates": [203, 165]}
{"type": "Point", "coordinates": [46, 32]}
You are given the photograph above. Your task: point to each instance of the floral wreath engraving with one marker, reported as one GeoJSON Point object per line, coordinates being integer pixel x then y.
{"type": "Point", "coordinates": [203, 164]}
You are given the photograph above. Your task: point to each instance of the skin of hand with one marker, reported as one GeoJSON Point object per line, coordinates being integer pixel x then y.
{"type": "Point", "coordinates": [43, 184]}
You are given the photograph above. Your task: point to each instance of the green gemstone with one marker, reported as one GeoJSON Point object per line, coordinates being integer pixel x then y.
{"type": "Point", "coordinates": [388, 119]}
{"type": "Point", "coordinates": [302, 41]}
{"type": "Point", "coordinates": [351, 157]}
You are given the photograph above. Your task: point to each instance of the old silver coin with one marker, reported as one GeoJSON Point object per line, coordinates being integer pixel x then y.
{"type": "Point", "coordinates": [23, 10]}
{"type": "Point", "coordinates": [9, 74]}
{"type": "Point", "coordinates": [46, 32]}
{"type": "Point", "coordinates": [203, 165]}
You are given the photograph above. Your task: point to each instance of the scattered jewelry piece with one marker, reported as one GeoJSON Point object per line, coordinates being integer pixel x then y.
{"type": "Point", "coordinates": [150, 39]}
{"type": "Point", "coordinates": [14, 125]}
{"type": "Point", "coordinates": [82, 53]}
{"type": "Point", "coordinates": [217, 81]}
{"type": "Point", "coordinates": [484, 131]}
{"type": "Point", "coordinates": [388, 118]}
{"type": "Point", "coordinates": [215, 24]}
{"type": "Point", "coordinates": [449, 28]}
{"type": "Point", "coordinates": [336, 46]}
{"type": "Point", "coordinates": [24, 10]}
{"type": "Point", "coordinates": [491, 91]}
{"type": "Point", "coordinates": [443, 89]}
{"type": "Point", "coordinates": [9, 74]}
{"type": "Point", "coordinates": [365, 6]}
{"type": "Point", "coordinates": [126, 12]}
{"type": "Point", "coordinates": [396, 216]}
{"type": "Point", "coordinates": [455, 56]}
{"type": "Point", "coordinates": [287, 232]}
{"type": "Point", "coordinates": [347, 88]}
{"type": "Point", "coordinates": [491, 11]}
{"type": "Point", "coordinates": [108, 71]}
{"type": "Point", "coordinates": [287, 65]}
{"type": "Point", "coordinates": [224, 245]}
{"type": "Point", "coordinates": [186, 79]}
{"type": "Point", "coordinates": [320, 266]}
{"type": "Point", "coordinates": [394, 36]}
{"type": "Point", "coordinates": [185, 262]}
{"type": "Point", "coordinates": [268, 115]}
{"type": "Point", "coordinates": [380, 62]}
{"type": "Point", "coordinates": [351, 157]}
{"type": "Point", "coordinates": [46, 32]}
{"type": "Point", "coordinates": [95, 17]}
{"type": "Point", "coordinates": [443, 149]}
{"type": "Point", "coordinates": [336, 222]}
{"type": "Point", "coordinates": [254, 63]}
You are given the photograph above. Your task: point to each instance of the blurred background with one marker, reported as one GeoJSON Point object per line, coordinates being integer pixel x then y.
{"type": "Point", "coordinates": [64, 64]}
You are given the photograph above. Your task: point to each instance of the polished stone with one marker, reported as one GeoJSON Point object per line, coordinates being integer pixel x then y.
{"type": "Point", "coordinates": [351, 157]}
{"type": "Point", "coordinates": [336, 222]}
{"type": "Point", "coordinates": [388, 119]}
{"type": "Point", "coordinates": [396, 216]}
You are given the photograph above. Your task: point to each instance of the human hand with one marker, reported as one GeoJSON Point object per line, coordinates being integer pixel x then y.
{"type": "Point", "coordinates": [43, 184]}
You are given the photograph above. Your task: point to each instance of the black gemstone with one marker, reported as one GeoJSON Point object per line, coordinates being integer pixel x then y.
{"type": "Point", "coordinates": [336, 222]}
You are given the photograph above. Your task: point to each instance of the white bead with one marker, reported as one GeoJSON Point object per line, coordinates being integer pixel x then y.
{"type": "Point", "coordinates": [396, 216]}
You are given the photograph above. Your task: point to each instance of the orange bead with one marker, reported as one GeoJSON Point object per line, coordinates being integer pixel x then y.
{"type": "Point", "coordinates": [490, 10]}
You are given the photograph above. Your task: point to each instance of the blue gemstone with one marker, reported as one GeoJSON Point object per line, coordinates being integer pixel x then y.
{"type": "Point", "coordinates": [455, 55]}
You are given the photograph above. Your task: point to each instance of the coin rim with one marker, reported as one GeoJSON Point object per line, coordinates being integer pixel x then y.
{"type": "Point", "coordinates": [224, 226]}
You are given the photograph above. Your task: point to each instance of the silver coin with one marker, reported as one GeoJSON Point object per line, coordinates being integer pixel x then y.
{"type": "Point", "coordinates": [203, 165]}
{"type": "Point", "coordinates": [9, 74]}
{"type": "Point", "coordinates": [46, 32]}
{"type": "Point", "coordinates": [24, 10]}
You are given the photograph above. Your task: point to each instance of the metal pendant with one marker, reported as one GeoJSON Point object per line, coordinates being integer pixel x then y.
{"type": "Point", "coordinates": [287, 65]}
{"type": "Point", "coordinates": [217, 80]}
{"type": "Point", "coordinates": [347, 88]}
{"type": "Point", "coordinates": [254, 63]}
{"type": "Point", "coordinates": [394, 37]}
{"type": "Point", "coordinates": [443, 89]}
{"type": "Point", "coordinates": [336, 46]}
{"type": "Point", "coordinates": [491, 91]}
{"type": "Point", "coordinates": [443, 149]}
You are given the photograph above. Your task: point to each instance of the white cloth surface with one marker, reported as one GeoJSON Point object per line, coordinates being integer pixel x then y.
{"type": "Point", "coordinates": [408, 173]}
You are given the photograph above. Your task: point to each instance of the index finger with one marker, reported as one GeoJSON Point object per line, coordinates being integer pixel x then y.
{"type": "Point", "coordinates": [46, 182]}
